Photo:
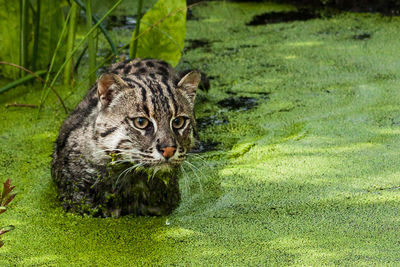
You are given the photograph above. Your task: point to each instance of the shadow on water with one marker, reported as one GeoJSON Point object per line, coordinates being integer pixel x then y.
{"type": "Point", "coordinates": [241, 103]}
{"type": "Point", "coordinates": [212, 120]}
{"type": "Point", "coordinates": [198, 43]}
{"type": "Point", "coordinates": [204, 146]}
{"type": "Point", "coordinates": [277, 17]}
{"type": "Point", "coordinates": [362, 37]}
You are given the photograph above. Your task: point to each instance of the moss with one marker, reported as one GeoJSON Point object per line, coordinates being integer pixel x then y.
{"type": "Point", "coordinates": [315, 180]}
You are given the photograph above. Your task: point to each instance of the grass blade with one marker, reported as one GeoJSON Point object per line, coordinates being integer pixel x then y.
{"type": "Point", "coordinates": [103, 30]}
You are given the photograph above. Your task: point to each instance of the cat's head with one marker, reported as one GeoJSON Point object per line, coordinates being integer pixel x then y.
{"type": "Point", "coordinates": [146, 120]}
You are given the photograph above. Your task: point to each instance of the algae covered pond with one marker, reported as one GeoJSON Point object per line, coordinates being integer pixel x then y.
{"type": "Point", "coordinates": [306, 172]}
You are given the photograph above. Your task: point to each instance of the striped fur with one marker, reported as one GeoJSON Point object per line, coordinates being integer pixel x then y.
{"type": "Point", "coordinates": [101, 141]}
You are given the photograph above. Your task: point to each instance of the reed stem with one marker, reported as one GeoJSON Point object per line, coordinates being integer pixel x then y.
{"type": "Point", "coordinates": [134, 40]}
{"type": "Point", "coordinates": [91, 43]}
{"type": "Point", "coordinates": [103, 30]}
{"type": "Point", "coordinates": [76, 48]}
{"type": "Point", "coordinates": [21, 81]}
{"type": "Point", "coordinates": [36, 35]}
{"type": "Point", "coordinates": [68, 72]}
{"type": "Point", "coordinates": [24, 34]}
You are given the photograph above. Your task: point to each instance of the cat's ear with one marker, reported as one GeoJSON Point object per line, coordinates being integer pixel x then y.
{"type": "Point", "coordinates": [107, 85]}
{"type": "Point", "coordinates": [189, 84]}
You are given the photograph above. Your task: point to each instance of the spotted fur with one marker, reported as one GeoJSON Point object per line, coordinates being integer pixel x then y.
{"type": "Point", "coordinates": [104, 162]}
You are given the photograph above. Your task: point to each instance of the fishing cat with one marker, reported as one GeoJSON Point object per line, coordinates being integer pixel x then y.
{"type": "Point", "coordinates": [120, 150]}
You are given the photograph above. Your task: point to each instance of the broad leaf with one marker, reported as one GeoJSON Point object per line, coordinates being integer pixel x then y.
{"type": "Point", "coordinates": [163, 40]}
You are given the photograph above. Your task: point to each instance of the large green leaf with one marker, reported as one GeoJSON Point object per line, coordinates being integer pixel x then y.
{"type": "Point", "coordinates": [162, 31]}
{"type": "Point", "coordinates": [9, 37]}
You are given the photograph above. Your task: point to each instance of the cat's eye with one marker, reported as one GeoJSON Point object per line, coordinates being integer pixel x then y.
{"type": "Point", "coordinates": [141, 122]}
{"type": "Point", "coordinates": [178, 122]}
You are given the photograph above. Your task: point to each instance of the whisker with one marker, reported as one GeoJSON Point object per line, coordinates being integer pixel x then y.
{"type": "Point", "coordinates": [187, 188]}
{"type": "Point", "coordinates": [191, 166]}
{"type": "Point", "coordinates": [203, 161]}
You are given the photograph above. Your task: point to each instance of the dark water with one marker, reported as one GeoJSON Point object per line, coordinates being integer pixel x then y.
{"type": "Point", "coordinates": [361, 37]}
{"type": "Point", "coordinates": [288, 16]}
{"type": "Point", "coordinates": [213, 120]}
{"type": "Point", "coordinates": [241, 103]}
{"type": "Point", "coordinates": [198, 43]}
{"type": "Point", "coordinates": [125, 22]}
{"type": "Point", "coordinates": [204, 146]}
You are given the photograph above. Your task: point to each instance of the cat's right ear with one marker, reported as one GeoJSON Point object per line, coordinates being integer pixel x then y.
{"type": "Point", "coordinates": [189, 84]}
{"type": "Point", "coordinates": [107, 85]}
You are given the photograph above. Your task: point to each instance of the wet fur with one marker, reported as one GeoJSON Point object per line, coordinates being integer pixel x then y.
{"type": "Point", "coordinates": [98, 143]}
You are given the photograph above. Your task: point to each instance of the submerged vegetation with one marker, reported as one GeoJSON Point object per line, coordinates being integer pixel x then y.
{"type": "Point", "coordinates": [301, 128]}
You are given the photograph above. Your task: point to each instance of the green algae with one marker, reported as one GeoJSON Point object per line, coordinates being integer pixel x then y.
{"type": "Point", "coordinates": [314, 180]}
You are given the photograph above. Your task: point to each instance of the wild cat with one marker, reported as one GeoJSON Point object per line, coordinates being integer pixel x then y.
{"type": "Point", "coordinates": [120, 150]}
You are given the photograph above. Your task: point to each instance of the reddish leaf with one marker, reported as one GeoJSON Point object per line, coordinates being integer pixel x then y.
{"type": "Point", "coordinates": [6, 229]}
{"type": "Point", "coordinates": [7, 188]}
{"type": "Point", "coordinates": [2, 209]}
{"type": "Point", "coordinates": [11, 197]}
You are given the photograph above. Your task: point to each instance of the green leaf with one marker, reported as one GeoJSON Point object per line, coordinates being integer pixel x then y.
{"type": "Point", "coordinates": [162, 33]}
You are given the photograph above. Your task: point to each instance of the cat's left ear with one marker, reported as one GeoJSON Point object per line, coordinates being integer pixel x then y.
{"type": "Point", "coordinates": [189, 84]}
{"type": "Point", "coordinates": [107, 85]}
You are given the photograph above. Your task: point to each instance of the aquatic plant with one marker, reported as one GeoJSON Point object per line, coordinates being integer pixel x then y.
{"type": "Point", "coordinates": [162, 37]}
{"type": "Point", "coordinates": [5, 199]}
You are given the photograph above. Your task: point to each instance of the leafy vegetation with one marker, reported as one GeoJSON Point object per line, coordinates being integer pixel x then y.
{"type": "Point", "coordinates": [165, 29]}
{"type": "Point", "coordinates": [54, 38]}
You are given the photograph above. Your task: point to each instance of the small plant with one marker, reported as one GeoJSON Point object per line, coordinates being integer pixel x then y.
{"type": "Point", "coordinates": [5, 199]}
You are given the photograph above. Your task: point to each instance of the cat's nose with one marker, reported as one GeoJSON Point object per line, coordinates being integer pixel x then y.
{"type": "Point", "coordinates": [167, 152]}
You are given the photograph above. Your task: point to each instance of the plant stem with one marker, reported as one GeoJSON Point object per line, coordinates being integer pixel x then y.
{"type": "Point", "coordinates": [21, 105]}
{"type": "Point", "coordinates": [103, 30]}
{"type": "Point", "coordinates": [134, 40]}
{"type": "Point", "coordinates": [20, 81]}
{"type": "Point", "coordinates": [24, 27]}
{"type": "Point", "coordinates": [91, 43]}
{"type": "Point", "coordinates": [36, 36]}
{"type": "Point", "coordinates": [68, 79]}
